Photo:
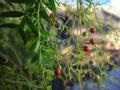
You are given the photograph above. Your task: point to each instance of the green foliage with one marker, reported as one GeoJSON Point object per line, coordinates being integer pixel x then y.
{"type": "Point", "coordinates": [18, 1]}
{"type": "Point", "coordinates": [51, 5]}
{"type": "Point", "coordinates": [29, 64]}
{"type": "Point", "coordinates": [11, 14]}
{"type": "Point", "coordinates": [9, 25]}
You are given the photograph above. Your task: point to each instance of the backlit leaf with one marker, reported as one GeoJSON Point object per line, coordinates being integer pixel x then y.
{"type": "Point", "coordinates": [51, 5]}
{"type": "Point", "coordinates": [44, 15]}
{"type": "Point", "coordinates": [31, 25]}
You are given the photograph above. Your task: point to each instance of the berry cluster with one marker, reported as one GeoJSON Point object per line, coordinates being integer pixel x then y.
{"type": "Point", "coordinates": [86, 48]}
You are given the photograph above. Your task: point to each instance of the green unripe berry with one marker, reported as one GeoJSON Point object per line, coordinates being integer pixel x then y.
{"type": "Point", "coordinates": [84, 34]}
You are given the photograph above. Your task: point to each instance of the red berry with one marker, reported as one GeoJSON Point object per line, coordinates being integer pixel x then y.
{"type": "Point", "coordinates": [52, 16]}
{"type": "Point", "coordinates": [57, 72]}
{"type": "Point", "coordinates": [86, 48]}
{"type": "Point", "coordinates": [92, 41]}
{"type": "Point", "coordinates": [93, 30]}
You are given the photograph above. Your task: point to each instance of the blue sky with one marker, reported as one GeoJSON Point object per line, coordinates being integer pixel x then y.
{"type": "Point", "coordinates": [84, 1]}
{"type": "Point", "coordinates": [114, 4]}
{"type": "Point", "coordinates": [101, 1]}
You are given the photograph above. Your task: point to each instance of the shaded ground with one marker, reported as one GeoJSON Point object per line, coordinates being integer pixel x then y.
{"type": "Point", "coordinates": [109, 84]}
